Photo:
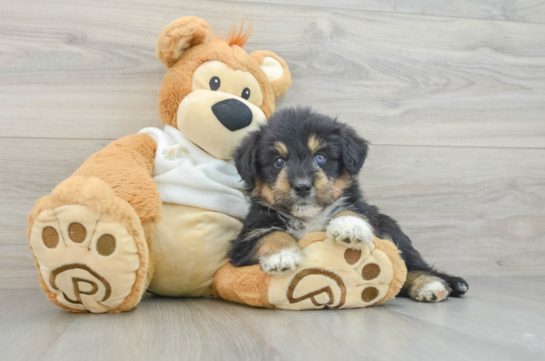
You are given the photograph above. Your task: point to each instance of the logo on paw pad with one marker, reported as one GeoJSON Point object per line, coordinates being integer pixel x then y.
{"type": "Point", "coordinates": [346, 278]}
{"type": "Point", "coordinates": [88, 260]}
{"type": "Point", "coordinates": [324, 290]}
{"type": "Point", "coordinates": [76, 281]}
{"type": "Point", "coordinates": [369, 272]}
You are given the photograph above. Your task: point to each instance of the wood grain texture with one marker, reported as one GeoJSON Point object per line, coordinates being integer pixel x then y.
{"type": "Point", "coordinates": [526, 11]}
{"type": "Point", "coordinates": [499, 319]}
{"type": "Point", "coordinates": [68, 70]}
{"type": "Point", "coordinates": [472, 211]}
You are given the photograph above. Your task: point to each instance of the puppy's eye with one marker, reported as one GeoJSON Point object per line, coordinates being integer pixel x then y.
{"type": "Point", "coordinates": [245, 93]}
{"type": "Point", "coordinates": [214, 83]}
{"type": "Point", "coordinates": [279, 162]}
{"type": "Point", "coordinates": [320, 158]}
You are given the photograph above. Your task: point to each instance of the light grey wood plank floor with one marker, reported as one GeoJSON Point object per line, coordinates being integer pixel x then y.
{"type": "Point", "coordinates": [499, 319]}
{"type": "Point", "coordinates": [507, 10]}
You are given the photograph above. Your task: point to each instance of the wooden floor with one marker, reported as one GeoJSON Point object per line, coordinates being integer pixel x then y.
{"type": "Point", "coordinates": [499, 319]}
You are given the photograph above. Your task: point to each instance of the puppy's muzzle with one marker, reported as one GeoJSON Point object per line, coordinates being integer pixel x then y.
{"type": "Point", "coordinates": [233, 114]}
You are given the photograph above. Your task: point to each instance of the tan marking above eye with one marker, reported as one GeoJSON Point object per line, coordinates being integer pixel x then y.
{"type": "Point", "coordinates": [50, 237]}
{"type": "Point", "coordinates": [232, 81]}
{"type": "Point", "coordinates": [77, 232]}
{"type": "Point", "coordinates": [282, 149]}
{"type": "Point", "coordinates": [315, 144]}
{"type": "Point", "coordinates": [106, 245]}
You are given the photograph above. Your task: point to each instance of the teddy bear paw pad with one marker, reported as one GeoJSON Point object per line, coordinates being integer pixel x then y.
{"type": "Point", "coordinates": [333, 276]}
{"type": "Point", "coordinates": [89, 261]}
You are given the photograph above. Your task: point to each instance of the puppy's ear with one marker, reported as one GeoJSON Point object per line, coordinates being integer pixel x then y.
{"type": "Point", "coordinates": [178, 36]}
{"type": "Point", "coordinates": [246, 158]}
{"type": "Point", "coordinates": [354, 151]}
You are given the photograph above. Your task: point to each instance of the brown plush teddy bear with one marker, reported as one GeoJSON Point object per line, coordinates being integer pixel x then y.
{"type": "Point", "coordinates": [156, 210]}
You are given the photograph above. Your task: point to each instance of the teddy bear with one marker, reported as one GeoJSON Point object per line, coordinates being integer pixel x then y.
{"type": "Point", "coordinates": [155, 211]}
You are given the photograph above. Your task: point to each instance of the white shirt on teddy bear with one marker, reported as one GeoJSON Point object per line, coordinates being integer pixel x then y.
{"type": "Point", "coordinates": [186, 174]}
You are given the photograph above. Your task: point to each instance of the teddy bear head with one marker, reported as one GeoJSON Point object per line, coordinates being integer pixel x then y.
{"type": "Point", "coordinates": [214, 92]}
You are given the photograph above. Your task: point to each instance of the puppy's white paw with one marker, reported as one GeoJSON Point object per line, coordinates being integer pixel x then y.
{"type": "Point", "coordinates": [350, 231]}
{"type": "Point", "coordinates": [282, 261]}
{"type": "Point", "coordinates": [434, 291]}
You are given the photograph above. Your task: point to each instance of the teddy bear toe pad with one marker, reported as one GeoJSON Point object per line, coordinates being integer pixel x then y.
{"type": "Point", "coordinates": [88, 260]}
{"type": "Point", "coordinates": [334, 276]}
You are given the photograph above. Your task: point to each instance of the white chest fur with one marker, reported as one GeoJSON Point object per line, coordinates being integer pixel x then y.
{"type": "Point", "coordinates": [297, 228]}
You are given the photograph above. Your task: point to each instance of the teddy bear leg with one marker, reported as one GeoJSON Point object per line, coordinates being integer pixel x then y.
{"type": "Point", "coordinates": [91, 237]}
{"type": "Point", "coordinates": [90, 248]}
{"type": "Point", "coordinates": [331, 275]}
{"type": "Point", "coordinates": [399, 269]}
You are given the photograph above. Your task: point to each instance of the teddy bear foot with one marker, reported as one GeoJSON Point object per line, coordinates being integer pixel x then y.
{"type": "Point", "coordinates": [89, 261]}
{"type": "Point", "coordinates": [345, 278]}
{"type": "Point", "coordinates": [330, 275]}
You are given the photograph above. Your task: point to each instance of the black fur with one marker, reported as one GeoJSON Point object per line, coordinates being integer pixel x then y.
{"type": "Point", "coordinates": [345, 152]}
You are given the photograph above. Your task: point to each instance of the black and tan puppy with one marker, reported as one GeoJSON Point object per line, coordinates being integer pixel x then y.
{"type": "Point", "coordinates": [301, 171]}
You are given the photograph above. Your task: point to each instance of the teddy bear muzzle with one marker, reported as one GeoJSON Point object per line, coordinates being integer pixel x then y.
{"type": "Point", "coordinates": [217, 121]}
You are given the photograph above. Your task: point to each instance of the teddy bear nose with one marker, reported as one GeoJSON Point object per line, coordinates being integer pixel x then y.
{"type": "Point", "coordinates": [233, 114]}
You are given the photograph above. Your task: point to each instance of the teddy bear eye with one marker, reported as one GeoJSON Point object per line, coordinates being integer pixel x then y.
{"type": "Point", "coordinates": [245, 93]}
{"type": "Point", "coordinates": [215, 83]}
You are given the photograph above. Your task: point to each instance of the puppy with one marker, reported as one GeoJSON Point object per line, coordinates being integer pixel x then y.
{"type": "Point", "coordinates": [301, 172]}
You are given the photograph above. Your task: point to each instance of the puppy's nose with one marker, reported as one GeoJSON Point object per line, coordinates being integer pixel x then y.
{"type": "Point", "coordinates": [233, 114]}
{"type": "Point", "coordinates": [302, 189]}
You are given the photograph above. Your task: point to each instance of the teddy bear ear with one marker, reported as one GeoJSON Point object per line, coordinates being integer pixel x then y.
{"type": "Point", "coordinates": [275, 69]}
{"type": "Point", "coordinates": [178, 36]}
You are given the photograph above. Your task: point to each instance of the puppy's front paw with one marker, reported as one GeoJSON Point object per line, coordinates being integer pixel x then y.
{"type": "Point", "coordinates": [350, 231]}
{"type": "Point", "coordinates": [434, 291]}
{"type": "Point", "coordinates": [283, 261]}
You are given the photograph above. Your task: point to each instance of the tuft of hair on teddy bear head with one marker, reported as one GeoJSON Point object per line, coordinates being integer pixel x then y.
{"type": "Point", "coordinates": [214, 92]}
